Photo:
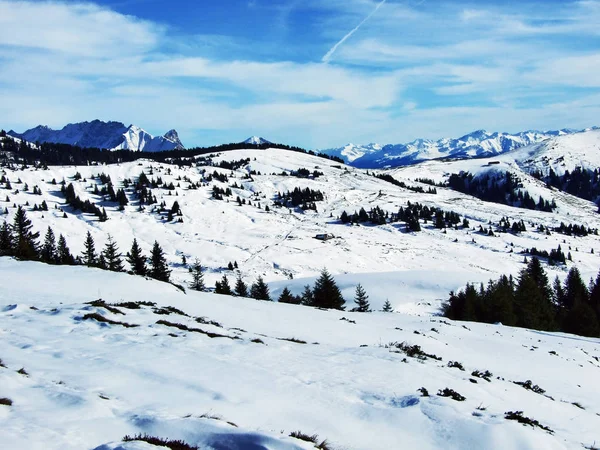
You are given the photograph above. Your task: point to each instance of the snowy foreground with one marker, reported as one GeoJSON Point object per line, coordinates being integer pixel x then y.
{"type": "Point", "coordinates": [88, 384]}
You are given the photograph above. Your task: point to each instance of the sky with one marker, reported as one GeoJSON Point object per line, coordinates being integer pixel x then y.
{"type": "Point", "coordinates": [312, 73]}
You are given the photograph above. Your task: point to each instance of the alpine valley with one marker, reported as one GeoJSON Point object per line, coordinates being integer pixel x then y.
{"type": "Point", "coordinates": [134, 288]}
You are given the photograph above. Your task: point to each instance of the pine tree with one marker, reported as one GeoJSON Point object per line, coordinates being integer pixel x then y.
{"type": "Point", "coordinates": [241, 289]}
{"type": "Point", "coordinates": [159, 269]}
{"type": "Point", "coordinates": [327, 293]}
{"type": "Point", "coordinates": [48, 253]}
{"type": "Point", "coordinates": [387, 306]}
{"type": "Point", "coordinates": [24, 245]}
{"type": "Point", "coordinates": [63, 253]}
{"type": "Point", "coordinates": [361, 300]}
{"type": "Point", "coordinates": [307, 298]}
{"type": "Point", "coordinates": [260, 290]}
{"type": "Point", "coordinates": [197, 283]}
{"type": "Point", "coordinates": [222, 287]}
{"type": "Point", "coordinates": [286, 296]}
{"type": "Point", "coordinates": [6, 240]}
{"type": "Point", "coordinates": [111, 254]}
{"type": "Point", "coordinates": [136, 259]}
{"type": "Point", "coordinates": [89, 254]}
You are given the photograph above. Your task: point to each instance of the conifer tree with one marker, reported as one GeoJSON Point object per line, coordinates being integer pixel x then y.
{"type": "Point", "coordinates": [136, 259]}
{"type": "Point", "coordinates": [25, 244]}
{"type": "Point", "coordinates": [6, 240]}
{"type": "Point", "coordinates": [48, 253]}
{"type": "Point", "coordinates": [260, 290]}
{"type": "Point", "coordinates": [307, 298]}
{"type": "Point", "coordinates": [327, 293]}
{"type": "Point", "coordinates": [197, 283]}
{"type": "Point", "coordinates": [159, 269]}
{"type": "Point", "coordinates": [222, 287]}
{"type": "Point", "coordinates": [387, 306]}
{"type": "Point", "coordinates": [241, 289]}
{"type": "Point", "coordinates": [286, 296]}
{"type": "Point", "coordinates": [63, 253]}
{"type": "Point", "coordinates": [89, 254]}
{"type": "Point", "coordinates": [361, 299]}
{"type": "Point", "coordinates": [111, 254]}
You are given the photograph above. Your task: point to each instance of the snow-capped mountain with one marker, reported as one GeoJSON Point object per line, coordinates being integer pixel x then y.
{"type": "Point", "coordinates": [99, 134]}
{"type": "Point", "coordinates": [480, 143]}
{"type": "Point", "coordinates": [256, 140]}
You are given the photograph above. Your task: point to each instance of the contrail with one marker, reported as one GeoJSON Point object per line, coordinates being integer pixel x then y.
{"type": "Point", "coordinates": [330, 53]}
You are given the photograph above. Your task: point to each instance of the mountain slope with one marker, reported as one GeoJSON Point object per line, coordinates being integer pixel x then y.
{"type": "Point", "coordinates": [108, 135]}
{"type": "Point", "coordinates": [256, 140]}
{"type": "Point", "coordinates": [89, 383]}
{"type": "Point", "coordinates": [480, 143]}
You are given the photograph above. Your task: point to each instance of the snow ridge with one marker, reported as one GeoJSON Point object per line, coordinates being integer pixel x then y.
{"type": "Point", "coordinates": [107, 135]}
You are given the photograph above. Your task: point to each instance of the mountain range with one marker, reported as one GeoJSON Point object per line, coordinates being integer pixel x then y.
{"type": "Point", "coordinates": [107, 135]}
{"type": "Point", "coordinates": [477, 144]}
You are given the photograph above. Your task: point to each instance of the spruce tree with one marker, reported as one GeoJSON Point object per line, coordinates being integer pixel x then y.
{"type": "Point", "coordinates": [241, 289]}
{"type": "Point", "coordinates": [63, 253]}
{"type": "Point", "coordinates": [24, 245]}
{"type": "Point", "coordinates": [136, 259]}
{"type": "Point", "coordinates": [6, 240]}
{"type": "Point", "coordinates": [307, 298]}
{"type": "Point", "coordinates": [286, 296]}
{"type": "Point", "coordinates": [361, 299]}
{"type": "Point", "coordinates": [159, 269]}
{"type": "Point", "coordinates": [387, 306]}
{"type": "Point", "coordinates": [197, 283]}
{"type": "Point", "coordinates": [326, 292]}
{"type": "Point", "coordinates": [48, 253]}
{"type": "Point", "coordinates": [222, 287]}
{"type": "Point", "coordinates": [260, 290]}
{"type": "Point", "coordinates": [111, 254]}
{"type": "Point", "coordinates": [89, 254]}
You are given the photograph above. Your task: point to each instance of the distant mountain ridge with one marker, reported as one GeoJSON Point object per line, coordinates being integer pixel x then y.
{"type": "Point", "coordinates": [256, 140]}
{"type": "Point", "coordinates": [107, 135]}
{"type": "Point", "coordinates": [480, 143]}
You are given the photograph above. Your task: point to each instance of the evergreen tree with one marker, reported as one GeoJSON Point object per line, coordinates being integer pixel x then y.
{"type": "Point", "coordinates": [63, 253]}
{"type": "Point", "coordinates": [197, 283]}
{"type": "Point", "coordinates": [101, 262]}
{"type": "Point", "coordinates": [327, 293]}
{"type": "Point", "coordinates": [89, 254]}
{"type": "Point", "coordinates": [159, 270]}
{"type": "Point", "coordinates": [387, 306]}
{"type": "Point", "coordinates": [361, 299]}
{"type": "Point", "coordinates": [111, 254]}
{"type": "Point", "coordinates": [6, 240]}
{"type": "Point", "coordinates": [286, 296]}
{"type": "Point", "coordinates": [241, 289]}
{"type": "Point", "coordinates": [260, 290]}
{"type": "Point", "coordinates": [25, 244]}
{"type": "Point", "coordinates": [136, 259]}
{"type": "Point", "coordinates": [307, 298]}
{"type": "Point", "coordinates": [48, 253]}
{"type": "Point", "coordinates": [222, 287]}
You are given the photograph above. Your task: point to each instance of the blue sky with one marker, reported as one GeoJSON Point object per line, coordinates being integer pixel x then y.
{"type": "Point", "coordinates": [313, 73]}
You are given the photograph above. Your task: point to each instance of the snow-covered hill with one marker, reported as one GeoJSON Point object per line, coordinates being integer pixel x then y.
{"type": "Point", "coordinates": [480, 143]}
{"type": "Point", "coordinates": [76, 383]}
{"type": "Point", "coordinates": [107, 135]}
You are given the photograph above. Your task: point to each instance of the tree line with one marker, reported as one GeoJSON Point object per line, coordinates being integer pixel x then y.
{"type": "Point", "coordinates": [530, 302]}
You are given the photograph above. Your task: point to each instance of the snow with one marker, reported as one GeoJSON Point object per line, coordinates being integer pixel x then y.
{"type": "Point", "coordinates": [106, 135]}
{"type": "Point", "coordinates": [255, 140]}
{"type": "Point", "coordinates": [89, 384]}
{"type": "Point", "coordinates": [479, 143]}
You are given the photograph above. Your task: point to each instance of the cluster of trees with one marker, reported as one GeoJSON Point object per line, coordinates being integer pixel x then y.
{"type": "Point", "coordinates": [305, 198]}
{"type": "Point", "coordinates": [304, 173]}
{"type": "Point", "coordinates": [504, 188]}
{"type": "Point", "coordinates": [51, 154]}
{"type": "Point", "coordinates": [582, 183]}
{"type": "Point", "coordinates": [554, 256]}
{"type": "Point", "coordinates": [375, 216]}
{"type": "Point", "coordinates": [575, 230]}
{"type": "Point", "coordinates": [418, 189]}
{"type": "Point", "coordinates": [19, 240]}
{"type": "Point", "coordinates": [530, 302]}
{"type": "Point", "coordinates": [85, 206]}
